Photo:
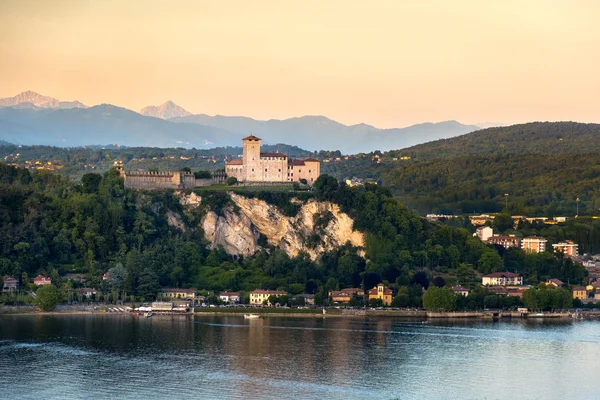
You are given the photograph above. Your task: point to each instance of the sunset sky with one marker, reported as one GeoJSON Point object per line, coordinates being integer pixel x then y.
{"type": "Point", "coordinates": [386, 63]}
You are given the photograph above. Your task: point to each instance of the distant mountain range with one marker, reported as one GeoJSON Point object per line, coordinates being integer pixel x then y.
{"type": "Point", "coordinates": [30, 118]}
{"type": "Point", "coordinates": [165, 111]}
{"type": "Point", "coordinates": [31, 99]}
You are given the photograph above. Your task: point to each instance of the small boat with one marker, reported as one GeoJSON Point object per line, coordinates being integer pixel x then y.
{"type": "Point", "coordinates": [148, 314]}
{"type": "Point", "coordinates": [251, 316]}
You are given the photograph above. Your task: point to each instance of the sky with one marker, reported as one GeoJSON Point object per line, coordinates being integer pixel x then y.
{"type": "Point", "coordinates": [386, 63]}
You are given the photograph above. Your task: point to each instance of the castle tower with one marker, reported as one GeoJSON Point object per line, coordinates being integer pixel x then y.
{"type": "Point", "coordinates": [251, 157]}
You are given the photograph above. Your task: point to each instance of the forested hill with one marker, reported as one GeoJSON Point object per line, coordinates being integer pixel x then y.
{"type": "Point", "coordinates": [52, 226]}
{"type": "Point", "coordinates": [543, 167]}
{"type": "Point", "coordinates": [531, 138]}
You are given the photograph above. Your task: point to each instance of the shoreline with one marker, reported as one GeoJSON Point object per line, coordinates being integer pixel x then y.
{"type": "Point", "coordinates": [340, 313]}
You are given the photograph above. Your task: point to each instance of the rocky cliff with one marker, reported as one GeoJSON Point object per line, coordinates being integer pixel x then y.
{"type": "Point", "coordinates": [317, 227]}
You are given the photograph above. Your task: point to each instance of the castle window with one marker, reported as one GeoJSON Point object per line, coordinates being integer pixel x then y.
{"type": "Point", "coordinates": [252, 169]}
{"type": "Point", "coordinates": [299, 170]}
{"type": "Point", "coordinates": [265, 170]}
{"type": "Point", "coordinates": [309, 171]}
{"type": "Point", "coordinates": [279, 169]}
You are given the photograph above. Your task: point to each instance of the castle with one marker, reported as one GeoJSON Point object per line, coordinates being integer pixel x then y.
{"type": "Point", "coordinates": [165, 180]}
{"type": "Point", "coordinates": [270, 167]}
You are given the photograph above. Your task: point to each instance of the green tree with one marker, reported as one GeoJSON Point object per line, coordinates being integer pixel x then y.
{"type": "Point", "coordinates": [91, 182]}
{"type": "Point", "coordinates": [231, 180]}
{"type": "Point", "coordinates": [47, 297]}
{"type": "Point", "coordinates": [439, 299]}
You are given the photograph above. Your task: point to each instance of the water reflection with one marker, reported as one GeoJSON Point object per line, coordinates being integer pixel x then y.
{"type": "Point", "coordinates": [229, 357]}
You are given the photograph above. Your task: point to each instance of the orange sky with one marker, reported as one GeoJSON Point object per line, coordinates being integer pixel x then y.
{"type": "Point", "coordinates": [387, 63]}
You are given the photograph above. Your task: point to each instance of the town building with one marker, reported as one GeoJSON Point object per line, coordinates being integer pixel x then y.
{"type": "Point", "coordinates": [505, 241]}
{"type": "Point", "coordinates": [533, 244]}
{"type": "Point", "coordinates": [593, 287]}
{"type": "Point", "coordinates": [460, 291]}
{"type": "Point", "coordinates": [344, 295]}
{"type": "Point", "coordinates": [172, 293]}
{"type": "Point", "coordinates": [257, 166]}
{"type": "Point", "coordinates": [260, 296]}
{"type": "Point", "coordinates": [579, 293]}
{"type": "Point", "coordinates": [230, 297]}
{"type": "Point", "coordinates": [502, 279]}
{"type": "Point", "coordinates": [151, 180]}
{"type": "Point", "coordinates": [10, 284]}
{"type": "Point", "coordinates": [477, 220]}
{"type": "Point", "coordinates": [484, 233]}
{"type": "Point", "coordinates": [309, 299]}
{"type": "Point", "coordinates": [381, 292]}
{"type": "Point", "coordinates": [88, 293]}
{"type": "Point", "coordinates": [557, 283]}
{"type": "Point", "coordinates": [568, 248]}
{"type": "Point", "coordinates": [41, 280]}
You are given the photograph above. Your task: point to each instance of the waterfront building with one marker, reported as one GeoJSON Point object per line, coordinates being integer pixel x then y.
{"type": "Point", "coordinates": [344, 295]}
{"type": "Point", "coordinates": [309, 299]}
{"type": "Point", "coordinates": [502, 279]}
{"type": "Point", "coordinates": [260, 296]}
{"type": "Point", "coordinates": [171, 293]}
{"type": "Point", "coordinates": [10, 284]}
{"type": "Point", "coordinates": [381, 292]}
{"type": "Point", "coordinates": [533, 244]}
{"type": "Point", "coordinates": [41, 280]}
{"type": "Point", "coordinates": [257, 166]}
{"type": "Point", "coordinates": [477, 220]}
{"type": "Point", "coordinates": [88, 293]}
{"type": "Point", "coordinates": [579, 293]}
{"type": "Point", "coordinates": [505, 241]}
{"type": "Point", "coordinates": [230, 297]}
{"type": "Point", "coordinates": [568, 248]}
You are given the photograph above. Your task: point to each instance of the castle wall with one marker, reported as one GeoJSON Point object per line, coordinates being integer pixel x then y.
{"type": "Point", "coordinates": [252, 163]}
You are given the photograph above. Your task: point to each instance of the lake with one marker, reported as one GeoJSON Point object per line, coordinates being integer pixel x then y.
{"type": "Point", "coordinates": [227, 357]}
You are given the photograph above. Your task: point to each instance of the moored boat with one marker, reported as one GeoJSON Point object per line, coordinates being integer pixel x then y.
{"type": "Point", "coordinates": [251, 316]}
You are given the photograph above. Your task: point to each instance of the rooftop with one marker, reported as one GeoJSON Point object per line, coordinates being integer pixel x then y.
{"type": "Point", "coordinates": [502, 275]}
{"type": "Point", "coordinates": [251, 137]}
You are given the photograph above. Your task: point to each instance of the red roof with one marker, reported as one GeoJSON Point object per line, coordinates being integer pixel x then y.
{"type": "Point", "coordinates": [251, 137]}
{"type": "Point", "coordinates": [280, 155]}
{"type": "Point", "coordinates": [234, 162]}
{"type": "Point", "coordinates": [386, 290]}
{"type": "Point", "coordinates": [502, 275]}
{"type": "Point", "coordinates": [579, 289]}
{"type": "Point", "coordinates": [311, 159]}
{"type": "Point", "coordinates": [296, 162]}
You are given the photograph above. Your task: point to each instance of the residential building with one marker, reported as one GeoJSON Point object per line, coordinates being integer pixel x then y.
{"type": "Point", "coordinates": [172, 293]}
{"type": "Point", "coordinates": [309, 299]}
{"type": "Point", "coordinates": [260, 296]}
{"type": "Point", "coordinates": [579, 293]}
{"type": "Point", "coordinates": [10, 284]}
{"type": "Point", "coordinates": [381, 292]}
{"type": "Point", "coordinates": [593, 287]}
{"type": "Point", "coordinates": [257, 166]}
{"type": "Point", "coordinates": [460, 291]}
{"type": "Point", "coordinates": [230, 297]}
{"type": "Point", "coordinates": [568, 248]}
{"type": "Point", "coordinates": [41, 280]}
{"type": "Point", "coordinates": [344, 295]}
{"type": "Point", "coordinates": [484, 233]}
{"type": "Point", "coordinates": [502, 279]}
{"type": "Point", "coordinates": [88, 293]}
{"type": "Point", "coordinates": [505, 241]}
{"type": "Point", "coordinates": [481, 219]}
{"type": "Point", "coordinates": [557, 283]}
{"type": "Point", "coordinates": [533, 244]}
{"type": "Point", "coordinates": [106, 276]}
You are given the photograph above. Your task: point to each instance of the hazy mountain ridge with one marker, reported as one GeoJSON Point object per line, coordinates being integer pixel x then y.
{"type": "Point", "coordinates": [31, 99]}
{"type": "Point", "coordinates": [30, 118]}
{"type": "Point", "coordinates": [166, 110]}
{"type": "Point", "coordinates": [318, 132]}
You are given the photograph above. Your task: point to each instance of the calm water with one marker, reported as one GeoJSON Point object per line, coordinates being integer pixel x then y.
{"type": "Point", "coordinates": [76, 357]}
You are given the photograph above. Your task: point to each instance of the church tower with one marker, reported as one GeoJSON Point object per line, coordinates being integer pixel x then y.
{"type": "Point", "coordinates": [251, 157]}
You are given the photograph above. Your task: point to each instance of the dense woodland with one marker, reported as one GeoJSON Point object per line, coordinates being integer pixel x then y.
{"type": "Point", "coordinates": [53, 226]}
{"type": "Point", "coordinates": [543, 167]}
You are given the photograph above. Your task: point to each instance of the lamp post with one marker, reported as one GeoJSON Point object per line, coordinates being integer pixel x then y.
{"type": "Point", "coordinates": [577, 202]}
{"type": "Point", "coordinates": [506, 200]}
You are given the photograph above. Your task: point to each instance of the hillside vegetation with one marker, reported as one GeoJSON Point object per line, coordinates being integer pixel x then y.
{"type": "Point", "coordinates": [50, 225]}
{"type": "Point", "coordinates": [543, 167]}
